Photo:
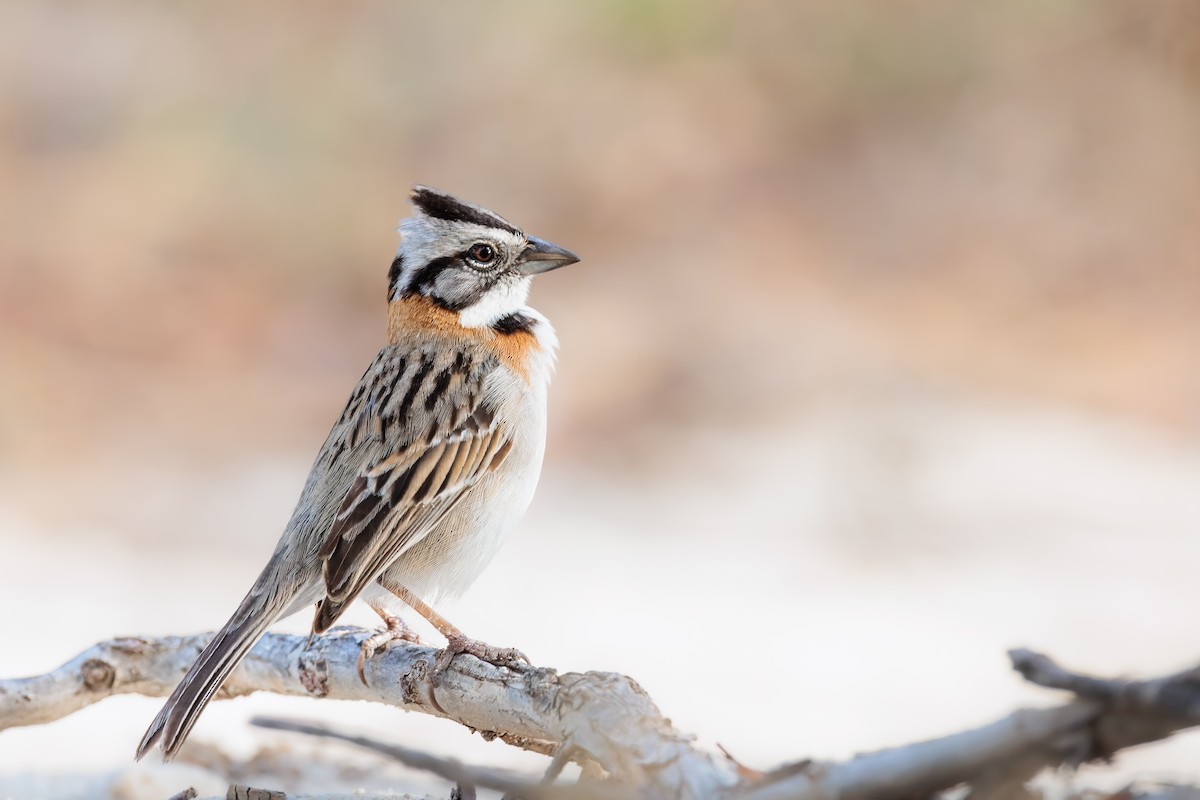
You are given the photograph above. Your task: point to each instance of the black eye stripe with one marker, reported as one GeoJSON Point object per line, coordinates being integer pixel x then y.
{"type": "Point", "coordinates": [427, 274]}
{"type": "Point", "coordinates": [460, 292]}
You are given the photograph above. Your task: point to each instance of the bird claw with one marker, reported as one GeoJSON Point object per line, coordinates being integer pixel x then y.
{"type": "Point", "coordinates": [456, 645]}
{"type": "Point", "coordinates": [395, 631]}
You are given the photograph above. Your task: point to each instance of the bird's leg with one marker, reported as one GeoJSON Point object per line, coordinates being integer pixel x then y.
{"type": "Point", "coordinates": [456, 641]}
{"type": "Point", "coordinates": [395, 630]}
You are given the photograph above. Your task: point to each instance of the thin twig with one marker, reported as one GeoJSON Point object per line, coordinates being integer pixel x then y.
{"type": "Point", "coordinates": [452, 769]}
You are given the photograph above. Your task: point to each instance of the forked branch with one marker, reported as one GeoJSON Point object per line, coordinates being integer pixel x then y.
{"type": "Point", "coordinates": [607, 718]}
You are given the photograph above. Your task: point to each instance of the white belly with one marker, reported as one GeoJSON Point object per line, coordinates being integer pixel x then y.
{"type": "Point", "coordinates": [447, 561]}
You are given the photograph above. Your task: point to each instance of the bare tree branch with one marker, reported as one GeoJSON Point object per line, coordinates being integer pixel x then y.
{"type": "Point", "coordinates": [1176, 695]}
{"type": "Point", "coordinates": [997, 759]}
{"type": "Point", "coordinates": [1134, 712]}
{"type": "Point", "coordinates": [607, 719]}
{"type": "Point", "coordinates": [920, 769]}
{"type": "Point", "coordinates": [595, 715]}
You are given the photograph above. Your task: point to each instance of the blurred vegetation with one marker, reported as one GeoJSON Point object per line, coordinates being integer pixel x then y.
{"type": "Point", "coordinates": [778, 204]}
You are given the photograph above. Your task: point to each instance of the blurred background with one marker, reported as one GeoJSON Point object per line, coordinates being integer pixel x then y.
{"type": "Point", "coordinates": [883, 356]}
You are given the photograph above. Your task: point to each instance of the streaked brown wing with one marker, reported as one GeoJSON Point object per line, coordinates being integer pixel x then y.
{"type": "Point", "coordinates": [395, 503]}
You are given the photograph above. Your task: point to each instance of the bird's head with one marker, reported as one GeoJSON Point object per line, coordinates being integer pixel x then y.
{"type": "Point", "coordinates": [467, 259]}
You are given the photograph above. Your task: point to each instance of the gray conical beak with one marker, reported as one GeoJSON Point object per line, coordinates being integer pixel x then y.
{"type": "Point", "coordinates": [542, 256]}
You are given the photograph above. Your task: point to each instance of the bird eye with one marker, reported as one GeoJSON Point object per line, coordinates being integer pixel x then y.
{"type": "Point", "coordinates": [482, 253]}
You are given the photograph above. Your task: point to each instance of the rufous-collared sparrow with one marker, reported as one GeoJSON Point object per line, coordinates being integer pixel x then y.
{"type": "Point", "coordinates": [430, 465]}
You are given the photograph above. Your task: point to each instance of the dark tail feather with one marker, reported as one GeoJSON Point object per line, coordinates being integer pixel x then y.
{"type": "Point", "coordinates": [217, 660]}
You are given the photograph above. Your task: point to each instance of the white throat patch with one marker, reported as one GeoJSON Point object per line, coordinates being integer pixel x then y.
{"type": "Point", "coordinates": [501, 300]}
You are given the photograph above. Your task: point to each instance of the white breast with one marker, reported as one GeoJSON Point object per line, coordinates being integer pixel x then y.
{"type": "Point", "coordinates": [447, 561]}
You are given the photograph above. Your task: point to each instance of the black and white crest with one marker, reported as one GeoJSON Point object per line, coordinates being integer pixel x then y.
{"type": "Point", "coordinates": [433, 203]}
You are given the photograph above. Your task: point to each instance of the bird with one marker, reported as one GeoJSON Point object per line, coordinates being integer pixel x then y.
{"type": "Point", "coordinates": [430, 465]}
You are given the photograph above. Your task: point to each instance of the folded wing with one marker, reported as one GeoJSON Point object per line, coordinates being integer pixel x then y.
{"type": "Point", "coordinates": [393, 504]}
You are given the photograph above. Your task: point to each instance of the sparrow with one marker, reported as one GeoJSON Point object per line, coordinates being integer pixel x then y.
{"type": "Point", "coordinates": [432, 462]}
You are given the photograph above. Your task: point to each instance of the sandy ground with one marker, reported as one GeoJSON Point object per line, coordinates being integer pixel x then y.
{"type": "Point", "coordinates": [869, 568]}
